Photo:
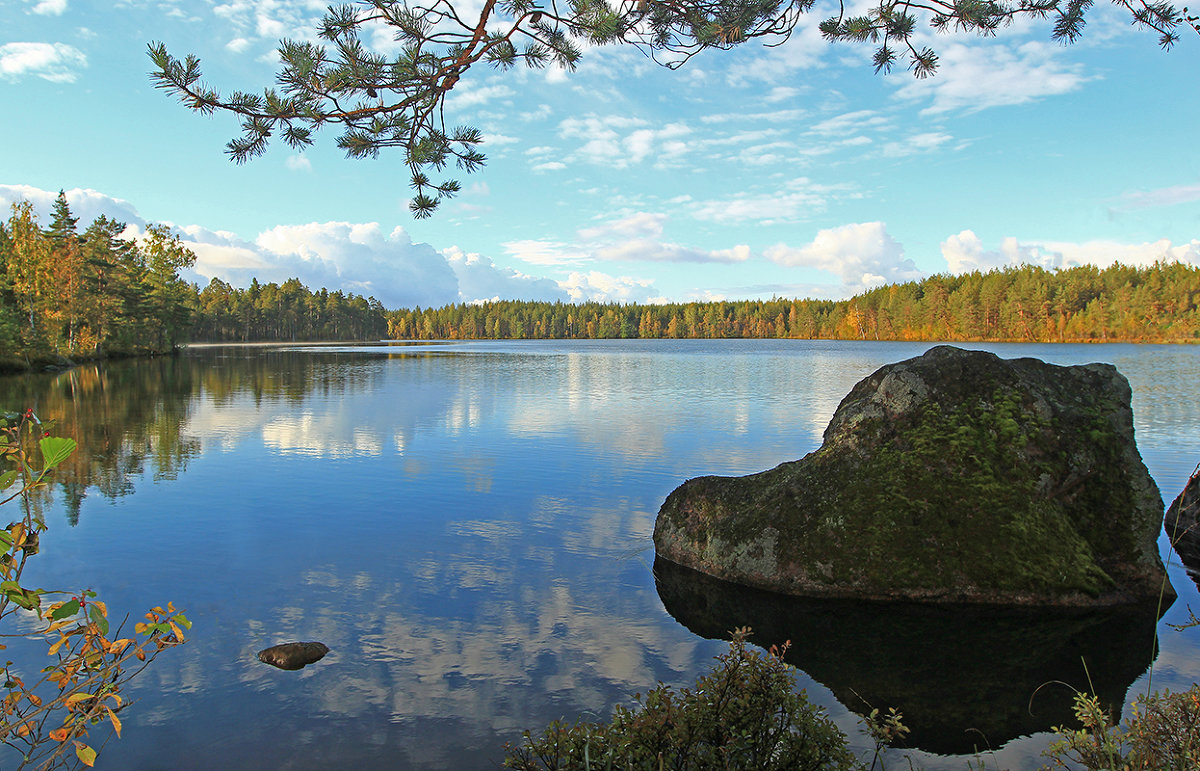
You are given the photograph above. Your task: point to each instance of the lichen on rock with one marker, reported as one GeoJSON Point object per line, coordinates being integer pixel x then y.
{"type": "Point", "coordinates": [954, 476]}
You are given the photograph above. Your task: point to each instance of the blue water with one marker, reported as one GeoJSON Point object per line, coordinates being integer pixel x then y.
{"type": "Point", "coordinates": [466, 525]}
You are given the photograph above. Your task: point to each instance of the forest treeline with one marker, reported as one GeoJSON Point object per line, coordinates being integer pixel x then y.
{"type": "Point", "coordinates": [94, 293]}
{"type": "Point", "coordinates": [71, 294]}
{"type": "Point", "coordinates": [1157, 303]}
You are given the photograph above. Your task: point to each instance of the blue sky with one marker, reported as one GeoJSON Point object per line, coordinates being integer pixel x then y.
{"type": "Point", "coordinates": [788, 171]}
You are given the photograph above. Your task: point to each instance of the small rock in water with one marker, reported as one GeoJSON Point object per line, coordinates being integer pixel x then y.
{"type": "Point", "coordinates": [293, 655]}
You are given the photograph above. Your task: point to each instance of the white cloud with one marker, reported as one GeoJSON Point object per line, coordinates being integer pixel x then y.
{"type": "Point", "coordinates": [354, 257]}
{"type": "Point", "coordinates": [850, 123]}
{"type": "Point", "coordinates": [479, 278]}
{"type": "Point", "coordinates": [916, 144]}
{"type": "Point", "coordinates": [639, 224]}
{"type": "Point", "coordinates": [637, 238]}
{"type": "Point", "coordinates": [550, 166]}
{"type": "Point", "coordinates": [1164, 196]}
{"type": "Point", "coordinates": [86, 205]}
{"type": "Point", "coordinates": [298, 163]}
{"type": "Point", "coordinates": [652, 250]}
{"type": "Point", "coordinates": [804, 50]}
{"type": "Point", "coordinates": [964, 253]}
{"type": "Point", "coordinates": [545, 252]}
{"type": "Point", "coordinates": [601, 287]}
{"type": "Point", "coordinates": [619, 141]}
{"type": "Point", "coordinates": [794, 202]}
{"type": "Point", "coordinates": [56, 62]}
{"type": "Point", "coordinates": [862, 254]}
{"type": "Point", "coordinates": [50, 7]}
{"type": "Point", "coordinates": [238, 45]}
{"type": "Point", "coordinates": [467, 95]}
{"type": "Point", "coordinates": [976, 76]}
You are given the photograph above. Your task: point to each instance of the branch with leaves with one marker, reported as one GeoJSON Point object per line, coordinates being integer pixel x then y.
{"type": "Point", "coordinates": [380, 102]}
{"type": "Point", "coordinates": [46, 713]}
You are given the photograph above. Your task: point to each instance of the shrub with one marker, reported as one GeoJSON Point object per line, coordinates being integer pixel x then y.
{"type": "Point", "coordinates": [1162, 733]}
{"type": "Point", "coordinates": [744, 714]}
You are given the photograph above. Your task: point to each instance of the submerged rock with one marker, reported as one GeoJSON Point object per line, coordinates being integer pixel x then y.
{"type": "Point", "coordinates": [956, 476]}
{"type": "Point", "coordinates": [293, 655]}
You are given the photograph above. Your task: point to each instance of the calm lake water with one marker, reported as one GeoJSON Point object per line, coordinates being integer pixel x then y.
{"type": "Point", "coordinates": [468, 527]}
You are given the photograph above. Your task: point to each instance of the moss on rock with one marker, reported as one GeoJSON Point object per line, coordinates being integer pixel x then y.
{"type": "Point", "coordinates": [955, 476]}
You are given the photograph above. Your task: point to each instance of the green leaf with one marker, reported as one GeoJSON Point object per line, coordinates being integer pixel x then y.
{"type": "Point", "coordinates": [7, 478]}
{"type": "Point", "coordinates": [66, 611]}
{"type": "Point", "coordinates": [86, 755]}
{"type": "Point", "coordinates": [182, 620]}
{"type": "Point", "coordinates": [98, 618]}
{"type": "Point", "coordinates": [56, 449]}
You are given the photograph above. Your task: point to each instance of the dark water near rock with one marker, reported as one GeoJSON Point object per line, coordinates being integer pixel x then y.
{"type": "Point", "coordinates": [467, 527]}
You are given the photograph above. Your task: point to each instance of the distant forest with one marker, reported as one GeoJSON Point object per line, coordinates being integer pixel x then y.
{"type": "Point", "coordinates": [1020, 304]}
{"type": "Point", "coordinates": [71, 294]}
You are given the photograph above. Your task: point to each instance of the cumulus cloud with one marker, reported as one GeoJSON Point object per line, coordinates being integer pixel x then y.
{"type": "Point", "coordinates": [964, 253]}
{"type": "Point", "coordinates": [479, 279]}
{"type": "Point", "coordinates": [863, 255]}
{"type": "Point", "coordinates": [56, 62]}
{"type": "Point", "coordinates": [976, 76]}
{"type": "Point", "coordinates": [357, 257]}
{"type": "Point", "coordinates": [87, 205]}
{"type": "Point", "coordinates": [601, 287]}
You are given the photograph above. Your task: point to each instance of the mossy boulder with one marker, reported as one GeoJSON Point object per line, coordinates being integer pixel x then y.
{"type": "Point", "coordinates": [956, 476]}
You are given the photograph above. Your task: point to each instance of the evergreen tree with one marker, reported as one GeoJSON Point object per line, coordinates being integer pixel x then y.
{"type": "Point", "coordinates": [380, 102]}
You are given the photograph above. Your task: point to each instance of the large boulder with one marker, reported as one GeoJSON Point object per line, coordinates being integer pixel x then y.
{"type": "Point", "coordinates": [1182, 523]}
{"type": "Point", "coordinates": [956, 476]}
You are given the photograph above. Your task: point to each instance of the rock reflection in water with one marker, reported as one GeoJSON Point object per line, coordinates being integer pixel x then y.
{"type": "Point", "coordinates": [964, 677]}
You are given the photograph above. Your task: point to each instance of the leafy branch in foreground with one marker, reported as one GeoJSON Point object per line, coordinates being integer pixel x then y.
{"type": "Point", "coordinates": [46, 713]}
{"type": "Point", "coordinates": [398, 101]}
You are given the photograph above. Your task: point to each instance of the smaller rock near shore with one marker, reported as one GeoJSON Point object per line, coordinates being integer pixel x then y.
{"type": "Point", "coordinates": [956, 476]}
{"type": "Point", "coordinates": [293, 655]}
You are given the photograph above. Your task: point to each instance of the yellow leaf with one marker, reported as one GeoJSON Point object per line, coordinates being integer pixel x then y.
{"type": "Point", "coordinates": [60, 735]}
{"type": "Point", "coordinates": [35, 700]}
{"type": "Point", "coordinates": [78, 697]}
{"type": "Point", "coordinates": [140, 627]}
{"type": "Point", "coordinates": [86, 755]}
{"type": "Point", "coordinates": [24, 729]}
{"type": "Point", "coordinates": [116, 723]}
{"type": "Point", "coordinates": [54, 648]}
{"type": "Point", "coordinates": [58, 624]}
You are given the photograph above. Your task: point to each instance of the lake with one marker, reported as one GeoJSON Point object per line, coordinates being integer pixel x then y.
{"type": "Point", "coordinates": [468, 527]}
